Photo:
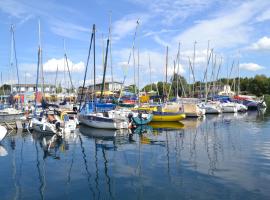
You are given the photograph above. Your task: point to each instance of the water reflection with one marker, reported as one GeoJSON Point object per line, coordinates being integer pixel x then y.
{"type": "Point", "coordinates": [219, 154]}
{"type": "Point", "coordinates": [3, 151]}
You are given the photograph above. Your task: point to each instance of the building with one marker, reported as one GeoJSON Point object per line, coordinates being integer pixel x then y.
{"type": "Point", "coordinates": [109, 86]}
{"type": "Point", "coordinates": [23, 88]}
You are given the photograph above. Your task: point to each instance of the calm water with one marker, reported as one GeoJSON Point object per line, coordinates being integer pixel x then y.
{"type": "Point", "coordinates": [219, 157]}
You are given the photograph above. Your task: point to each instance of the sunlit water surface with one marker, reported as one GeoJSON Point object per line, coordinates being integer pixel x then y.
{"type": "Point", "coordinates": [219, 157]}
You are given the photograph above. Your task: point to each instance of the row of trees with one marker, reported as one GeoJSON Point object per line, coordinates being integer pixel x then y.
{"type": "Point", "coordinates": [258, 85]}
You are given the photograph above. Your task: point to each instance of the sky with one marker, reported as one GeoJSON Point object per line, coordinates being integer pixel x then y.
{"type": "Point", "coordinates": [236, 31]}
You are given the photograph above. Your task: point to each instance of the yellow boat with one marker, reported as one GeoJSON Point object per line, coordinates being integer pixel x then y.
{"type": "Point", "coordinates": [168, 116]}
{"type": "Point", "coordinates": [167, 125]}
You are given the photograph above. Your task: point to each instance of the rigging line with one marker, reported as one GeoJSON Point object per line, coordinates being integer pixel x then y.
{"type": "Point", "coordinates": [86, 67]}
{"type": "Point", "coordinates": [69, 74]}
{"type": "Point", "coordinates": [130, 54]}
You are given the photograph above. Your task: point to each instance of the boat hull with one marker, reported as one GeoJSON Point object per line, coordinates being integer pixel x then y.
{"type": "Point", "coordinates": [102, 122]}
{"type": "Point", "coordinates": [167, 117]}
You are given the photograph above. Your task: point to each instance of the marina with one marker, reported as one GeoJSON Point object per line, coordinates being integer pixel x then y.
{"type": "Point", "coordinates": [134, 100]}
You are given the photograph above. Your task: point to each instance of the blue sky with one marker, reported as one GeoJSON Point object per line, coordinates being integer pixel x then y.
{"type": "Point", "coordinates": [236, 30]}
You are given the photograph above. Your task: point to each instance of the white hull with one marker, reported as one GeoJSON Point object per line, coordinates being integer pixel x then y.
{"type": "Point", "coordinates": [107, 123]}
{"type": "Point", "coordinates": [229, 108]}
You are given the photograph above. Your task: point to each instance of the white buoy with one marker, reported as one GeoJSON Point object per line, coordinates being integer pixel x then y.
{"type": "Point", "coordinates": [3, 132]}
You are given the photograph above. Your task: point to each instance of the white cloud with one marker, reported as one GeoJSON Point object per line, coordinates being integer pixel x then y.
{"type": "Point", "coordinates": [170, 11]}
{"type": "Point", "coordinates": [262, 44]}
{"type": "Point", "coordinates": [251, 66]}
{"type": "Point", "coordinates": [127, 25]}
{"type": "Point", "coordinates": [51, 65]}
{"type": "Point", "coordinates": [227, 29]}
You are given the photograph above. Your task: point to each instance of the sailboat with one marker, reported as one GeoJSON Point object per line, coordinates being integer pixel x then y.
{"type": "Point", "coordinates": [12, 114]}
{"type": "Point", "coordinates": [46, 123]}
{"type": "Point", "coordinates": [99, 119]}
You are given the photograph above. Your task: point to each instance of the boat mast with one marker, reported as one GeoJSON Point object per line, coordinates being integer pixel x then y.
{"type": "Point", "coordinates": [166, 74]}
{"type": "Point", "coordinates": [69, 74]}
{"type": "Point", "coordinates": [86, 67]}
{"type": "Point", "coordinates": [138, 62]}
{"type": "Point", "coordinates": [38, 66]}
{"type": "Point", "coordinates": [129, 58]}
{"type": "Point", "coordinates": [40, 57]}
{"type": "Point", "coordinates": [238, 88]}
{"type": "Point", "coordinates": [206, 71]}
{"type": "Point", "coordinates": [151, 88]}
{"type": "Point", "coordinates": [15, 55]}
{"type": "Point", "coordinates": [94, 60]}
{"type": "Point", "coordinates": [193, 68]}
{"type": "Point", "coordinates": [105, 66]}
{"type": "Point", "coordinates": [56, 78]}
{"type": "Point", "coordinates": [110, 38]}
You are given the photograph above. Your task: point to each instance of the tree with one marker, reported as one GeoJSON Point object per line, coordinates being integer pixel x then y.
{"type": "Point", "coordinates": [182, 85]}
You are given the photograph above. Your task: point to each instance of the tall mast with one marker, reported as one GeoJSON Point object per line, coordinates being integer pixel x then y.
{"type": "Point", "coordinates": [105, 66]}
{"type": "Point", "coordinates": [193, 66]}
{"type": "Point", "coordinates": [166, 73]}
{"type": "Point", "coordinates": [138, 62]}
{"type": "Point", "coordinates": [129, 57]}
{"type": "Point", "coordinates": [69, 74]}
{"type": "Point", "coordinates": [151, 88]}
{"type": "Point", "coordinates": [134, 69]}
{"type": "Point", "coordinates": [38, 66]}
{"type": "Point", "coordinates": [56, 78]}
{"type": "Point", "coordinates": [94, 52]}
{"type": "Point", "coordinates": [110, 38]}
{"type": "Point", "coordinates": [15, 56]}
{"type": "Point", "coordinates": [238, 88]}
{"type": "Point", "coordinates": [86, 67]}
{"type": "Point", "coordinates": [40, 56]}
{"type": "Point", "coordinates": [206, 71]}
